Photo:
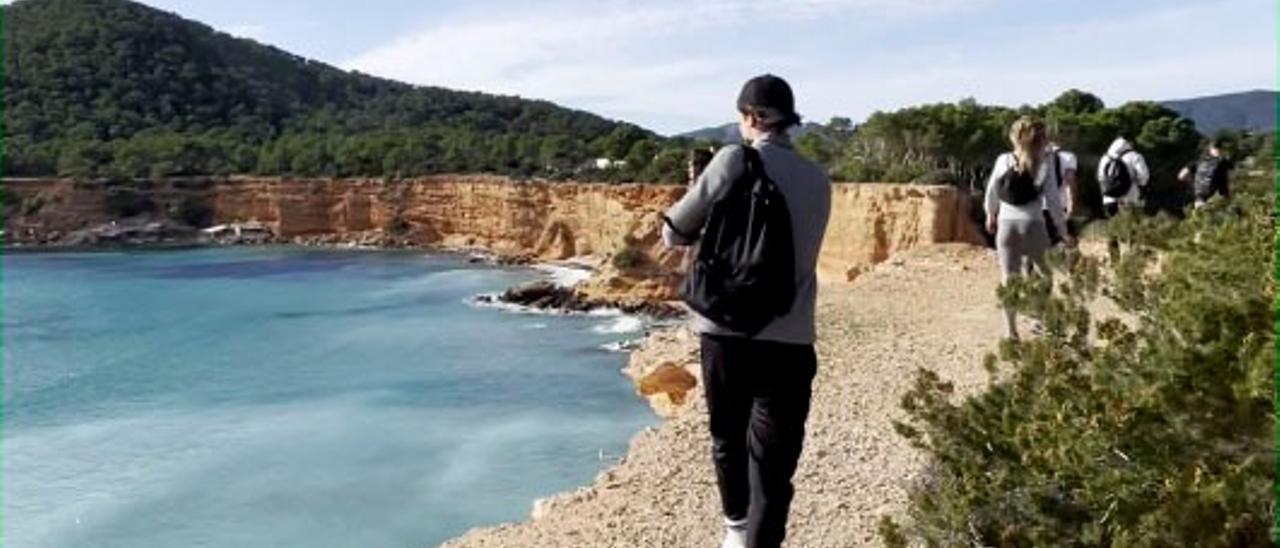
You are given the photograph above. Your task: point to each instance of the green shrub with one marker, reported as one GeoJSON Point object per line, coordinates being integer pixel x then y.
{"type": "Point", "coordinates": [1151, 428]}
{"type": "Point", "coordinates": [628, 258]}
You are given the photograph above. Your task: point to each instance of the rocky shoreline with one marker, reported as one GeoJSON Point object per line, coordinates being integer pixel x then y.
{"type": "Point", "coordinates": [873, 333]}
{"type": "Point", "coordinates": [145, 233]}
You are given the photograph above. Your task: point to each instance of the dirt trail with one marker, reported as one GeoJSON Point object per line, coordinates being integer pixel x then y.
{"type": "Point", "coordinates": [932, 307]}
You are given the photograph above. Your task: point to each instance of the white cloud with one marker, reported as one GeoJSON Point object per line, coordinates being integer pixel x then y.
{"type": "Point", "coordinates": [1170, 54]}
{"type": "Point", "coordinates": [643, 61]}
{"type": "Point", "coordinates": [603, 59]}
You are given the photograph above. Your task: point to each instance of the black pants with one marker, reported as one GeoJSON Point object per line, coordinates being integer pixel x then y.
{"type": "Point", "coordinates": [758, 396]}
{"type": "Point", "coordinates": [1110, 210]}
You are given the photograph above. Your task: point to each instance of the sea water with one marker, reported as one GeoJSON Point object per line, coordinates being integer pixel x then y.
{"type": "Point", "coordinates": [286, 397]}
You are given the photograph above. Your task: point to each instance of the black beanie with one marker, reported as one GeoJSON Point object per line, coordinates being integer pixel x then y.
{"type": "Point", "coordinates": [770, 98]}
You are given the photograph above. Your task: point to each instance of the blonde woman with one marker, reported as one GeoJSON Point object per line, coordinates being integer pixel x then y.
{"type": "Point", "coordinates": [1016, 196]}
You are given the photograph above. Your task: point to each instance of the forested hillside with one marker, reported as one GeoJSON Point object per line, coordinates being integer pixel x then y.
{"type": "Point", "coordinates": [114, 88]}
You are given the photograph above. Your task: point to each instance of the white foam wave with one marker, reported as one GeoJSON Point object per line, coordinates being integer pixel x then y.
{"type": "Point", "coordinates": [564, 275]}
{"type": "Point", "coordinates": [622, 324]}
{"type": "Point", "coordinates": [491, 300]}
{"type": "Point", "coordinates": [623, 346]}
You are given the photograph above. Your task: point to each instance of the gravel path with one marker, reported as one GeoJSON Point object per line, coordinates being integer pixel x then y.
{"type": "Point", "coordinates": [932, 307]}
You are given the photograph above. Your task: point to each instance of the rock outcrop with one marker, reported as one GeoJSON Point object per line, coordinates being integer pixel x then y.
{"type": "Point", "coordinates": [544, 295]}
{"type": "Point", "coordinates": [620, 224]}
{"type": "Point", "coordinates": [666, 371]}
{"type": "Point", "coordinates": [871, 222]}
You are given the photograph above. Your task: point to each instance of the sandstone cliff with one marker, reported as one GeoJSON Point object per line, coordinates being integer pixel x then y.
{"type": "Point", "coordinates": [871, 222]}
{"type": "Point", "coordinates": [541, 220]}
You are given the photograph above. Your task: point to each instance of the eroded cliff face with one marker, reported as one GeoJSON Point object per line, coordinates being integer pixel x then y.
{"type": "Point", "coordinates": [540, 220]}
{"type": "Point", "coordinates": [871, 222]}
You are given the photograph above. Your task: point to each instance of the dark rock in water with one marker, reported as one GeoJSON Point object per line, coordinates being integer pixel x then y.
{"type": "Point", "coordinates": [544, 295]}
{"type": "Point", "coordinates": [133, 232]}
{"type": "Point", "coordinates": [532, 292]}
{"type": "Point", "coordinates": [513, 260]}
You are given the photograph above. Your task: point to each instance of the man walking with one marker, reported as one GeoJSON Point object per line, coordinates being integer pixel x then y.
{"type": "Point", "coordinates": [758, 387]}
{"type": "Point", "coordinates": [1122, 171]}
{"type": "Point", "coordinates": [1210, 175]}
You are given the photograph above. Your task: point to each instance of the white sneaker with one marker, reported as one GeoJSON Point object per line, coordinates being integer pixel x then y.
{"type": "Point", "coordinates": [735, 534]}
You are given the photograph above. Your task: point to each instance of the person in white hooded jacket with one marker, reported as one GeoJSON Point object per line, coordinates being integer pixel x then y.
{"type": "Point", "coordinates": [1122, 150]}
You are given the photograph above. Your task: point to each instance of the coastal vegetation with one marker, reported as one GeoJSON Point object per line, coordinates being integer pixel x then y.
{"type": "Point", "coordinates": [1153, 426]}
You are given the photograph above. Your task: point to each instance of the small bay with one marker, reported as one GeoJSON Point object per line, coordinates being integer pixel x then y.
{"type": "Point", "coordinates": [291, 397]}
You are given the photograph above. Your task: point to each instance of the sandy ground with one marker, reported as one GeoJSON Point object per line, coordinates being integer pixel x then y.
{"type": "Point", "coordinates": [932, 307]}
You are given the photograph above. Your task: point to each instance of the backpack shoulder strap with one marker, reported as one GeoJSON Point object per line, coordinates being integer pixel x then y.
{"type": "Point", "coordinates": [752, 156]}
{"type": "Point", "coordinates": [755, 167]}
{"type": "Point", "coordinates": [1010, 161]}
{"type": "Point", "coordinates": [1057, 166]}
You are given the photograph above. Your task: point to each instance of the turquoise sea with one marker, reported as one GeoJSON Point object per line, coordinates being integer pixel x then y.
{"type": "Point", "coordinates": [286, 397]}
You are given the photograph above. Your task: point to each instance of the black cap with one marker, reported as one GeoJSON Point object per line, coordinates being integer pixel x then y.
{"type": "Point", "coordinates": [770, 98]}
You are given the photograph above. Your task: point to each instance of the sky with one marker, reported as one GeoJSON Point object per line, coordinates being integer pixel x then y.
{"type": "Point", "coordinates": [676, 65]}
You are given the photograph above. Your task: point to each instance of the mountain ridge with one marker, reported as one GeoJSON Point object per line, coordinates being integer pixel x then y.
{"type": "Point", "coordinates": [1252, 110]}
{"type": "Point", "coordinates": [728, 133]}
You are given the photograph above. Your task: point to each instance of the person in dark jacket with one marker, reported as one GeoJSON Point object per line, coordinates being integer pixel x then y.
{"type": "Point", "coordinates": [758, 388]}
{"type": "Point", "coordinates": [1211, 175]}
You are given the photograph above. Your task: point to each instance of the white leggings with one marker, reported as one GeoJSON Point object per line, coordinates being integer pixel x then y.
{"type": "Point", "coordinates": [1020, 245]}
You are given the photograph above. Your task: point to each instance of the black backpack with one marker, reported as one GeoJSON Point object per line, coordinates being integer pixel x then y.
{"type": "Point", "coordinates": [1116, 179]}
{"type": "Point", "coordinates": [1211, 175]}
{"type": "Point", "coordinates": [1017, 187]}
{"type": "Point", "coordinates": [744, 272]}
{"type": "Point", "coordinates": [1057, 168]}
